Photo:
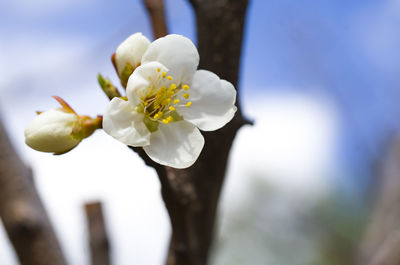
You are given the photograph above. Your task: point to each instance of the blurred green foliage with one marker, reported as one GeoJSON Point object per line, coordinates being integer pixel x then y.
{"type": "Point", "coordinates": [273, 226]}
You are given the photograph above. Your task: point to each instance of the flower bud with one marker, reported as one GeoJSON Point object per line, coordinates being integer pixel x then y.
{"type": "Point", "coordinates": [52, 131]}
{"type": "Point", "coordinates": [60, 130]}
{"type": "Point", "coordinates": [129, 55]}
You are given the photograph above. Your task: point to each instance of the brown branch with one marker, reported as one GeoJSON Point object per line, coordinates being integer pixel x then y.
{"type": "Point", "coordinates": [381, 244]}
{"type": "Point", "coordinates": [98, 239]}
{"type": "Point", "coordinates": [191, 195]}
{"type": "Point", "coordinates": [155, 9]}
{"type": "Point", "coordinates": [22, 212]}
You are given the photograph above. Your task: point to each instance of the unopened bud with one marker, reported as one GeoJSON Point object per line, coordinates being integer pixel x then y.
{"type": "Point", "coordinates": [59, 130]}
{"type": "Point", "coordinates": [108, 88]}
{"type": "Point", "coordinates": [129, 55]}
{"type": "Point", "coordinates": [51, 131]}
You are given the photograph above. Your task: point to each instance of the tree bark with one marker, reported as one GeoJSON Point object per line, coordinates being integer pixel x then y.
{"type": "Point", "coordinates": [22, 212]}
{"type": "Point", "coordinates": [191, 195]}
{"type": "Point", "coordinates": [381, 244]}
{"type": "Point", "coordinates": [98, 239]}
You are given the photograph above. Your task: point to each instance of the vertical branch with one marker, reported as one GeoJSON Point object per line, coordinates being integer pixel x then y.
{"type": "Point", "coordinates": [155, 9]}
{"type": "Point", "coordinates": [381, 244]}
{"type": "Point", "coordinates": [22, 212]}
{"type": "Point", "coordinates": [98, 239]}
{"type": "Point", "coordinates": [191, 195]}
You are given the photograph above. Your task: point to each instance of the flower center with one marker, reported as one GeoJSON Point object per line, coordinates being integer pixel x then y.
{"type": "Point", "coordinates": [161, 99]}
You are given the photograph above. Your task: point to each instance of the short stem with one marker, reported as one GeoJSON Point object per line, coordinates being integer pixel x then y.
{"type": "Point", "coordinates": [89, 125]}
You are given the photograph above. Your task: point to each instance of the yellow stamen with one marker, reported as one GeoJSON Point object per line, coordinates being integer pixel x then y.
{"type": "Point", "coordinates": [171, 108]}
{"type": "Point", "coordinates": [158, 69]}
{"type": "Point", "coordinates": [169, 77]}
{"type": "Point", "coordinates": [165, 121]}
{"type": "Point", "coordinates": [156, 116]}
{"type": "Point", "coordinates": [169, 118]}
{"type": "Point", "coordinates": [164, 74]}
{"type": "Point", "coordinates": [189, 104]}
{"type": "Point", "coordinates": [186, 95]}
{"type": "Point", "coordinates": [173, 86]}
{"type": "Point", "coordinates": [176, 101]}
{"type": "Point", "coordinates": [186, 87]}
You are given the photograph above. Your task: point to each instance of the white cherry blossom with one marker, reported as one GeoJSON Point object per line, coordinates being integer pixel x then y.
{"type": "Point", "coordinates": [168, 101]}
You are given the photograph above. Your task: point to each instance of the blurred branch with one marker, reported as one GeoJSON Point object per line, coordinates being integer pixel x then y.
{"type": "Point", "coordinates": [98, 239]}
{"type": "Point", "coordinates": [381, 244]}
{"type": "Point", "coordinates": [22, 212]}
{"type": "Point", "coordinates": [155, 9]}
{"type": "Point", "coordinates": [191, 195]}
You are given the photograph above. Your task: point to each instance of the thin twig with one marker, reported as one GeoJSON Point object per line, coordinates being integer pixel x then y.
{"type": "Point", "coordinates": [155, 9]}
{"type": "Point", "coordinates": [98, 239]}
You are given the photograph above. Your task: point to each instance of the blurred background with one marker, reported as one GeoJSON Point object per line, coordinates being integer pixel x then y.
{"type": "Point", "coordinates": [320, 79]}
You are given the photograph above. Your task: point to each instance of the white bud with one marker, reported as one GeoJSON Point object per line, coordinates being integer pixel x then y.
{"type": "Point", "coordinates": [130, 51]}
{"type": "Point", "coordinates": [52, 131]}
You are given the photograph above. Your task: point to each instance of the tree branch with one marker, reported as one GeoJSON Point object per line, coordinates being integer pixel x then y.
{"type": "Point", "coordinates": [155, 9]}
{"type": "Point", "coordinates": [98, 239]}
{"type": "Point", "coordinates": [191, 195]}
{"type": "Point", "coordinates": [22, 212]}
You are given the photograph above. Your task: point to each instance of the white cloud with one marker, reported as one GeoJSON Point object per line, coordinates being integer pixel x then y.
{"type": "Point", "coordinates": [292, 144]}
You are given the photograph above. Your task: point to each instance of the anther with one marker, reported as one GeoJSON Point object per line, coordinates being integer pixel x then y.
{"type": "Point", "coordinates": [156, 116]}
{"type": "Point", "coordinates": [171, 108]}
{"type": "Point", "coordinates": [165, 121]}
{"type": "Point", "coordinates": [158, 69]}
{"type": "Point", "coordinates": [176, 101]}
{"type": "Point", "coordinates": [169, 118]}
{"type": "Point", "coordinates": [169, 77]}
{"type": "Point", "coordinates": [186, 87]}
{"type": "Point", "coordinates": [173, 86]}
{"type": "Point", "coordinates": [186, 95]}
{"type": "Point", "coordinates": [164, 74]}
{"type": "Point", "coordinates": [189, 104]}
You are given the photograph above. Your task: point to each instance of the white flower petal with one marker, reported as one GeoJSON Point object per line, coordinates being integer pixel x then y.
{"type": "Point", "coordinates": [212, 100]}
{"type": "Point", "coordinates": [177, 144]}
{"type": "Point", "coordinates": [131, 51]}
{"type": "Point", "coordinates": [51, 132]}
{"type": "Point", "coordinates": [122, 122]}
{"type": "Point", "coordinates": [143, 78]}
{"type": "Point", "coordinates": [177, 53]}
